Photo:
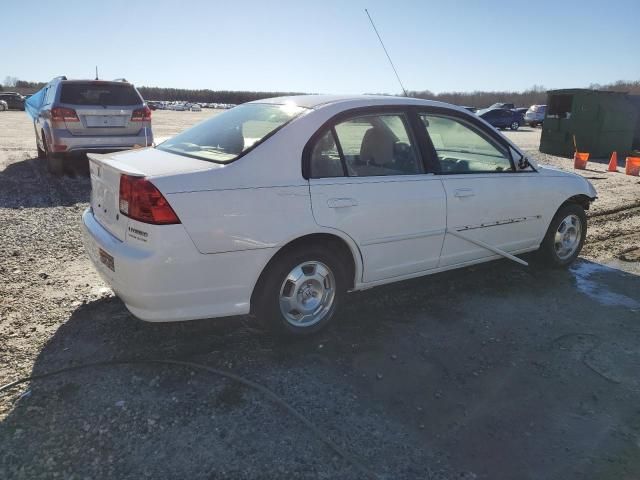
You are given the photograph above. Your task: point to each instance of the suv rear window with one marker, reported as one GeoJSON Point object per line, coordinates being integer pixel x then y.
{"type": "Point", "coordinates": [109, 94]}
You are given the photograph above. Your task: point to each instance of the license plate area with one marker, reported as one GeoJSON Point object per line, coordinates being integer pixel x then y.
{"type": "Point", "coordinates": [107, 260]}
{"type": "Point", "coordinates": [105, 121]}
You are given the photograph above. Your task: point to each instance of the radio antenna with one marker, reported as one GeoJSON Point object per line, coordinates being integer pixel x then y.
{"type": "Point", "coordinates": [96, 72]}
{"type": "Point", "coordinates": [404, 90]}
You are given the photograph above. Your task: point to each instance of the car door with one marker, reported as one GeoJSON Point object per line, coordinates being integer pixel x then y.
{"type": "Point", "coordinates": [367, 179]}
{"type": "Point", "coordinates": [488, 200]}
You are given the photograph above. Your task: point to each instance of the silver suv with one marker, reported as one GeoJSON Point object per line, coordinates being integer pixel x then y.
{"type": "Point", "coordinates": [90, 116]}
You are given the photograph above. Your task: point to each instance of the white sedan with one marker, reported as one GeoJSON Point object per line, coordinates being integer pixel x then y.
{"type": "Point", "coordinates": [279, 207]}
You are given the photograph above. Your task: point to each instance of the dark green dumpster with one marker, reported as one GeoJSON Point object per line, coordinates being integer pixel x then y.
{"type": "Point", "coordinates": [601, 122]}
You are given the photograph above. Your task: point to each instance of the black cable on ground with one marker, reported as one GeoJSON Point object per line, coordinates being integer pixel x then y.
{"type": "Point", "coordinates": [232, 376]}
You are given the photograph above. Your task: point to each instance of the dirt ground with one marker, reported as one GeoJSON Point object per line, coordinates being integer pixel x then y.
{"type": "Point", "coordinates": [492, 372]}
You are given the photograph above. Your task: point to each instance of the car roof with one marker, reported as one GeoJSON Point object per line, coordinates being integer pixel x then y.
{"type": "Point", "coordinates": [97, 82]}
{"type": "Point", "coordinates": [354, 101]}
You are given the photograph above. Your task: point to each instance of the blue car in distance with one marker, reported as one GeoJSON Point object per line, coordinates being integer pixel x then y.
{"type": "Point", "coordinates": [502, 118]}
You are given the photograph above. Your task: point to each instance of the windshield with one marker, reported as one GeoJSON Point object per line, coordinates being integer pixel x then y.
{"type": "Point", "coordinates": [226, 136]}
{"type": "Point", "coordinates": [99, 93]}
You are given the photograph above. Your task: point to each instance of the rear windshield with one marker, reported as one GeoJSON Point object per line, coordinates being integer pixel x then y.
{"type": "Point", "coordinates": [226, 136]}
{"type": "Point", "coordinates": [109, 94]}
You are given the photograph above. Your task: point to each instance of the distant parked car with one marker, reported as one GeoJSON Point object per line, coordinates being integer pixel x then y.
{"type": "Point", "coordinates": [508, 106]}
{"type": "Point", "coordinates": [3, 106]}
{"type": "Point", "coordinates": [196, 108]}
{"type": "Point", "coordinates": [535, 115]}
{"type": "Point", "coordinates": [14, 100]}
{"type": "Point", "coordinates": [502, 118]}
{"type": "Point", "coordinates": [90, 116]}
{"type": "Point", "coordinates": [179, 107]}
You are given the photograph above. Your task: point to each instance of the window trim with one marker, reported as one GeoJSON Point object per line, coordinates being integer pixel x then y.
{"type": "Point", "coordinates": [382, 110]}
{"type": "Point", "coordinates": [476, 125]}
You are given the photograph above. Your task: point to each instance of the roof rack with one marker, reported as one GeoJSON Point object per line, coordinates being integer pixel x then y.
{"type": "Point", "coordinates": [61, 77]}
{"type": "Point", "coordinates": [121, 80]}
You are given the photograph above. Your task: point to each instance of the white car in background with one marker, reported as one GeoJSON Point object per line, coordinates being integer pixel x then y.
{"type": "Point", "coordinates": [278, 207]}
{"type": "Point", "coordinates": [196, 108]}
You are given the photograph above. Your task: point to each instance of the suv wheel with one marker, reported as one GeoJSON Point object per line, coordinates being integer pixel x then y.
{"type": "Point", "coordinates": [41, 152]}
{"type": "Point", "coordinates": [565, 237]}
{"type": "Point", "coordinates": [301, 291]}
{"type": "Point", "coordinates": [55, 163]}
{"type": "Point", "coordinates": [515, 125]}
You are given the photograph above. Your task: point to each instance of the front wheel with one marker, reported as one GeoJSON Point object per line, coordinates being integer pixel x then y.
{"type": "Point", "coordinates": [301, 291]}
{"type": "Point", "coordinates": [41, 152]}
{"type": "Point", "coordinates": [565, 237]}
{"type": "Point", "coordinates": [515, 126]}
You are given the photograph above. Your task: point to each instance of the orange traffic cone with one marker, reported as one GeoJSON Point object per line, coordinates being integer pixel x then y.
{"type": "Point", "coordinates": [613, 163]}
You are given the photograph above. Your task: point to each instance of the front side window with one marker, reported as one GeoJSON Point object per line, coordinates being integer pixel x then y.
{"type": "Point", "coordinates": [228, 135]}
{"type": "Point", "coordinates": [463, 149]}
{"type": "Point", "coordinates": [369, 145]}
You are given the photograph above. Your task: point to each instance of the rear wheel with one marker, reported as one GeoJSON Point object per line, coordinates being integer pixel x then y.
{"type": "Point", "coordinates": [514, 125]}
{"type": "Point", "coordinates": [301, 291]}
{"type": "Point", "coordinates": [565, 237]}
{"type": "Point", "coordinates": [55, 163]}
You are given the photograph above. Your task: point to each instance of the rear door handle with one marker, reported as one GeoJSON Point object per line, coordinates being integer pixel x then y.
{"type": "Point", "coordinates": [464, 192]}
{"type": "Point", "coordinates": [341, 202]}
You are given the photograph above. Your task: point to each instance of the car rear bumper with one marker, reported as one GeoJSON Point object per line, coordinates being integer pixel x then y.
{"type": "Point", "coordinates": [173, 281]}
{"type": "Point", "coordinates": [530, 120]}
{"type": "Point", "coordinates": [101, 143]}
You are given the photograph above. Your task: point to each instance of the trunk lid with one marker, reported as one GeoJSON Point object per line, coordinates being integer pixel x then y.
{"type": "Point", "coordinates": [105, 171]}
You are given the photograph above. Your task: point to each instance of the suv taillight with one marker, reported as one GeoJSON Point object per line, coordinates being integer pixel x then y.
{"type": "Point", "coordinates": [62, 114]}
{"type": "Point", "coordinates": [141, 115]}
{"type": "Point", "coordinates": [141, 200]}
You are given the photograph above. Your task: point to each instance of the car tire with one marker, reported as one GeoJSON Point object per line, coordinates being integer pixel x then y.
{"type": "Point", "coordinates": [565, 236]}
{"type": "Point", "coordinates": [55, 161]}
{"type": "Point", "coordinates": [300, 291]}
{"type": "Point", "coordinates": [514, 126]}
{"type": "Point", "coordinates": [41, 152]}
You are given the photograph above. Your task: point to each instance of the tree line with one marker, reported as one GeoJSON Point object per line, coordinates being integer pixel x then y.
{"type": "Point", "coordinates": [534, 96]}
{"type": "Point", "coordinates": [206, 95]}
{"type": "Point", "coordinates": [479, 99]}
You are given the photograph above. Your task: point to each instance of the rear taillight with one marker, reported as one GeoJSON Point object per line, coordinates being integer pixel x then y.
{"type": "Point", "coordinates": [141, 115]}
{"type": "Point", "coordinates": [141, 200]}
{"type": "Point", "coordinates": [62, 114]}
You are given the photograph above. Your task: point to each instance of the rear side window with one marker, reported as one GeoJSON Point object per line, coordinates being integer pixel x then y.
{"type": "Point", "coordinates": [366, 146]}
{"type": "Point", "coordinates": [104, 94]}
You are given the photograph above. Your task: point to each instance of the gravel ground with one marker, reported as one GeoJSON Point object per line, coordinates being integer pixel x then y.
{"type": "Point", "coordinates": [490, 372]}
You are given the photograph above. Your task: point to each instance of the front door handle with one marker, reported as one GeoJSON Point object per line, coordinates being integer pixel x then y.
{"type": "Point", "coordinates": [464, 192]}
{"type": "Point", "coordinates": [341, 202]}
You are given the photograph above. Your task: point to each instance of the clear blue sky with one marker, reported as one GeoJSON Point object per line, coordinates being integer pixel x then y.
{"type": "Point", "coordinates": [325, 46]}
